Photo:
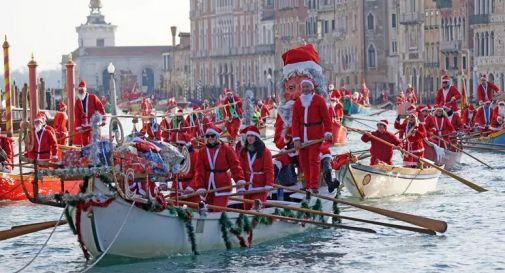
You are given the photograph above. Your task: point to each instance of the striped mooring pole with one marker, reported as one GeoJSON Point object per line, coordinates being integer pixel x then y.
{"type": "Point", "coordinates": [8, 115]}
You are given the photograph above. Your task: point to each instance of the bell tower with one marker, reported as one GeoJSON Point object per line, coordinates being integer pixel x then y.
{"type": "Point", "coordinates": [96, 32]}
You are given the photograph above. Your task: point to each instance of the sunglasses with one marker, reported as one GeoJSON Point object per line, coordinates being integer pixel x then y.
{"type": "Point", "coordinates": [210, 136]}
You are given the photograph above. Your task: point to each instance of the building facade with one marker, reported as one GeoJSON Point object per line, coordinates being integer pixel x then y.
{"type": "Point", "coordinates": [177, 69]}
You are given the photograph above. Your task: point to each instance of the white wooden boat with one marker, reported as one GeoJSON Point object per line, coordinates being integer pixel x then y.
{"type": "Point", "coordinates": [384, 180]}
{"type": "Point", "coordinates": [159, 234]}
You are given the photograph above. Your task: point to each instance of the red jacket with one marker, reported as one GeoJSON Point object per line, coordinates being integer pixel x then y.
{"type": "Point", "coordinates": [225, 160]}
{"type": "Point", "coordinates": [497, 120]}
{"type": "Point", "coordinates": [379, 150]}
{"type": "Point", "coordinates": [185, 180]}
{"type": "Point", "coordinates": [467, 120]}
{"type": "Point", "coordinates": [337, 112]}
{"type": "Point", "coordinates": [456, 122]}
{"type": "Point", "coordinates": [83, 114]}
{"type": "Point", "coordinates": [441, 127]}
{"type": "Point", "coordinates": [146, 108]}
{"type": "Point", "coordinates": [176, 132]}
{"type": "Point", "coordinates": [6, 144]}
{"type": "Point", "coordinates": [60, 126]}
{"type": "Point", "coordinates": [335, 93]}
{"type": "Point", "coordinates": [414, 137]}
{"type": "Point", "coordinates": [264, 112]}
{"type": "Point", "coordinates": [411, 96]}
{"type": "Point", "coordinates": [153, 132]}
{"type": "Point", "coordinates": [483, 117]}
{"type": "Point", "coordinates": [452, 93]}
{"type": "Point", "coordinates": [310, 123]}
{"type": "Point", "coordinates": [165, 130]}
{"type": "Point", "coordinates": [490, 91]}
{"type": "Point", "coordinates": [258, 171]}
{"type": "Point", "coordinates": [44, 144]}
{"type": "Point", "coordinates": [228, 110]}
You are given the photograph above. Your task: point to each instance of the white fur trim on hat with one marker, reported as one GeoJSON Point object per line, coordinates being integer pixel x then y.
{"type": "Point", "coordinates": [299, 67]}
{"type": "Point", "coordinates": [253, 133]}
{"type": "Point", "coordinates": [211, 131]}
{"type": "Point", "coordinates": [307, 81]}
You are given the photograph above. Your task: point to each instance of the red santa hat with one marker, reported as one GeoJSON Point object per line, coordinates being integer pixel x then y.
{"type": "Point", "coordinates": [439, 107]}
{"type": "Point", "coordinates": [227, 91]}
{"type": "Point", "coordinates": [446, 78]}
{"type": "Point", "coordinates": [41, 117]}
{"type": "Point", "coordinates": [383, 122]}
{"type": "Point", "coordinates": [300, 59]}
{"type": "Point", "coordinates": [306, 81]}
{"type": "Point", "coordinates": [483, 77]}
{"type": "Point", "coordinates": [253, 131]}
{"type": "Point", "coordinates": [411, 109]}
{"type": "Point", "coordinates": [501, 102]}
{"type": "Point", "coordinates": [82, 85]}
{"type": "Point", "coordinates": [213, 130]}
{"type": "Point", "coordinates": [446, 107]}
{"type": "Point", "coordinates": [62, 106]}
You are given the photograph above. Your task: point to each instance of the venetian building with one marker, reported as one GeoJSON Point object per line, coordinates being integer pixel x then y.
{"type": "Point", "coordinates": [456, 41]}
{"type": "Point", "coordinates": [432, 60]}
{"type": "Point", "coordinates": [411, 43]}
{"type": "Point", "coordinates": [177, 82]}
{"type": "Point", "coordinates": [488, 24]}
{"type": "Point", "coordinates": [228, 44]}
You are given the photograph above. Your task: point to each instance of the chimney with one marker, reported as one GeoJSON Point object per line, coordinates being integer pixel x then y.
{"type": "Point", "coordinates": [174, 32]}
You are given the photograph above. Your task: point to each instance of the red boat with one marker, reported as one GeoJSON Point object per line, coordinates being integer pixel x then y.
{"type": "Point", "coordinates": [11, 188]}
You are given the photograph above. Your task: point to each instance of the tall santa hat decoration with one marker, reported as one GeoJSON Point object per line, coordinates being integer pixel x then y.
{"type": "Point", "coordinates": [300, 59]}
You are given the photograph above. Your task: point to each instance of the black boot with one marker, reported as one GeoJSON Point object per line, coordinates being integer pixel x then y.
{"type": "Point", "coordinates": [329, 182]}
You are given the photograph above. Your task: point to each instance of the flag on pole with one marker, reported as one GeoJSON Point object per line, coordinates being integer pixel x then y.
{"type": "Point", "coordinates": [464, 100]}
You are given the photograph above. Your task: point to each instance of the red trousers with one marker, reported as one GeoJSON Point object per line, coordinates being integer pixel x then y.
{"type": "Point", "coordinates": [233, 127]}
{"type": "Point", "coordinates": [221, 201]}
{"type": "Point", "coordinates": [310, 163]}
{"type": "Point", "coordinates": [262, 196]}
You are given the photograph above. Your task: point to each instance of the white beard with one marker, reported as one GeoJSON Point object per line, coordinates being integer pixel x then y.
{"type": "Point", "coordinates": [333, 104]}
{"type": "Point", "coordinates": [81, 96]}
{"type": "Point", "coordinates": [306, 100]}
{"type": "Point", "coordinates": [285, 111]}
{"type": "Point", "coordinates": [39, 127]}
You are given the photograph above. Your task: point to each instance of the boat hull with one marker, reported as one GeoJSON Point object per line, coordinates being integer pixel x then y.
{"type": "Point", "coordinates": [451, 160]}
{"type": "Point", "coordinates": [160, 234]}
{"type": "Point", "coordinates": [382, 181]}
{"type": "Point", "coordinates": [11, 189]}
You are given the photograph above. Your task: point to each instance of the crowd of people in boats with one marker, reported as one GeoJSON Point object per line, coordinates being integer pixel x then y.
{"type": "Point", "coordinates": [222, 148]}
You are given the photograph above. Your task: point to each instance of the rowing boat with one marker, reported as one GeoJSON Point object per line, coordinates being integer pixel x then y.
{"type": "Point", "coordinates": [351, 108]}
{"type": "Point", "coordinates": [11, 188]}
{"type": "Point", "coordinates": [143, 234]}
{"type": "Point", "coordinates": [382, 180]}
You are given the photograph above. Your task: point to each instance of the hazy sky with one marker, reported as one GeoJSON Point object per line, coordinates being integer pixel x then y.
{"type": "Point", "coordinates": [47, 28]}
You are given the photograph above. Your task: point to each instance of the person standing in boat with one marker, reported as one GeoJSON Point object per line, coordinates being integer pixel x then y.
{"type": "Point", "coordinates": [256, 161]}
{"type": "Point", "coordinates": [151, 128]}
{"type": "Point", "coordinates": [498, 117]}
{"type": "Point", "coordinates": [401, 126]}
{"type": "Point", "coordinates": [468, 118]}
{"type": "Point", "coordinates": [336, 112]}
{"type": "Point", "coordinates": [232, 113]}
{"type": "Point", "coordinates": [212, 165]}
{"type": "Point", "coordinates": [441, 127]}
{"type": "Point", "coordinates": [60, 123]}
{"type": "Point", "coordinates": [486, 90]}
{"type": "Point", "coordinates": [45, 146]}
{"type": "Point", "coordinates": [448, 95]}
{"type": "Point", "coordinates": [379, 151]}
{"type": "Point", "coordinates": [414, 139]}
{"type": "Point", "coordinates": [182, 182]}
{"type": "Point", "coordinates": [411, 94]}
{"type": "Point", "coordinates": [311, 121]}
{"type": "Point", "coordinates": [6, 153]}
{"type": "Point", "coordinates": [483, 118]}
{"type": "Point", "coordinates": [86, 106]}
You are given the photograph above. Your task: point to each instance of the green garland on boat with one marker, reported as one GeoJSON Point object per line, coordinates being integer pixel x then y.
{"type": "Point", "coordinates": [186, 215]}
{"type": "Point", "coordinates": [336, 208]}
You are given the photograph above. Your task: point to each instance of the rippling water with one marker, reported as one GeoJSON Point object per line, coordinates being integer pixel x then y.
{"type": "Point", "coordinates": [474, 241]}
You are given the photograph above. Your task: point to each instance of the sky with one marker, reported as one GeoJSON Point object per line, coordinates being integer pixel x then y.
{"type": "Point", "coordinates": [47, 28]}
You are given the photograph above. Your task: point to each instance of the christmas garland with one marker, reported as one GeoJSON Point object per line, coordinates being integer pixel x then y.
{"type": "Point", "coordinates": [70, 220]}
{"type": "Point", "coordinates": [186, 215]}
{"type": "Point", "coordinates": [242, 225]}
{"type": "Point", "coordinates": [336, 209]}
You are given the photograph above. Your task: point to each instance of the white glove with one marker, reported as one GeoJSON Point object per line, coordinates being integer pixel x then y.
{"type": "Point", "coordinates": [268, 188]}
{"type": "Point", "coordinates": [201, 191]}
{"type": "Point", "coordinates": [240, 183]}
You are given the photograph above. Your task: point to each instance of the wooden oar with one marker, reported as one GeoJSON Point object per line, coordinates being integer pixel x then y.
{"type": "Point", "coordinates": [276, 205]}
{"type": "Point", "coordinates": [209, 191]}
{"type": "Point", "coordinates": [432, 224]}
{"type": "Point", "coordinates": [26, 229]}
{"type": "Point", "coordinates": [424, 160]}
{"type": "Point", "coordinates": [285, 218]}
{"type": "Point", "coordinates": [461, 150]}
{"type": "Point", "coordinates": [304, 145]}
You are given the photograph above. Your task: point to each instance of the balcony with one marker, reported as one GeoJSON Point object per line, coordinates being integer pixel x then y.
{"type": "Point", "coordinates": [450, 46]}
{"type": "Point", "coordinates": [431, 65]}
{"type": "Point", "coordinates": [480, 19]}
{"type": "Point", "coordinates": [267, 48]}
{"type": "Point", "coordinates": [412, 18]}
{"type": "Point", "coordinates": [444, 4]}
{"type": "Point", "coordinates": [489, 60]}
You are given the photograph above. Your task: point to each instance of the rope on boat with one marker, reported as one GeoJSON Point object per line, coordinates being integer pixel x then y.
{"type": "Point", "coordinates": [112, 242]}
{"type": "Point", "coordinates": [45, 243]}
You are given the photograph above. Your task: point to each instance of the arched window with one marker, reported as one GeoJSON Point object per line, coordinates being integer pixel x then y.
{"type": "Point", "coordinates": [370, 21]}
{"type": "Point", "coordinates": [371, 57]}
{"type": "Point", "coordinates": [491, 77]}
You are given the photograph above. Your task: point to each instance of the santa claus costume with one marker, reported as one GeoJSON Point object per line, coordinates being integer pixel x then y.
{"type": "Point", "coordinates": [440, 126]}
{"type": "Point", "coordinates": [194, 122]}
{"type": "Point", "coordinates": [86, 106]}
{"type": "Point", "coordinates": [264, 112]}
{"type": "Point", "coordinates": [413, 141]}
{"type": "Point", "coordinates": [256, 161]}
{"type": "Point", "coordinates": [400, 126]}
{"type": "Point", "coordinates": [232, 113]}
{"type": "Point", "coordinates": [468, 118]}
{"type": "Point", "coordinates": [448, 94]}
{"type": "Point", "coordinates": [60, 123]}
{"type": "Point", "coordinates": [486, 90]}
{"type": "Point", "coordinates": [336, 113]}
{"type": "Point", "coordinates": [212, 165]}
{"type": "Point", "coordinates": [483, 118]}
{"type": "Point", "coordinates": [379, 151]}
{"type": "Point", "coordinates": [7, 147]}
{"type": "Point", "coordinates": [411, 95]}
{"type": "Point", "coordinates": [152, 129]}
{"type": "Point", "coordinates": [400, 98]}
{"type": "Point", "coordinates": [498, 117]}
{"type": "Point", "coordinates": [334, 93]}
{"type": "Point", "coordinates": [177, 126]}
{"type": "Point", "coordinates": [310, 122]}
{"type": "Point", "coordinates": [455, 119]}
{"type": "Point", "coordinates": [183, 181]}
{"type": "Point", "coordinates": [44, 142]}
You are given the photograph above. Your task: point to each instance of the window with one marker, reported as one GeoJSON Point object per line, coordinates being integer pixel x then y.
{"type": "Point", "coordinates": [332, 24]}
{"type": "Point", "coordinates": [455, 62]}
{"type": "Point", "coordinates": [394, 47]}
{"type": "Point", "coordinates": [100, 43]}
{"type": "Point", "coordinates": [464, 62]}
{"type": "Point", "coordinates": [393, 20]}
{"type": "Point", "coordinates": [371, 57]}
{"type": "Point", "coordinates": [370, 21]}
{"type": "Point", "coordinates": [446, 62]}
